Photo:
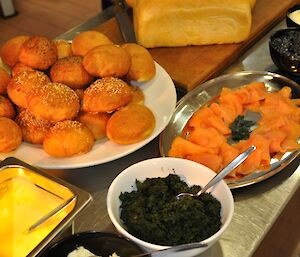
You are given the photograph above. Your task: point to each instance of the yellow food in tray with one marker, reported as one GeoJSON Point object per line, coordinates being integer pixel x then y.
{"type": "Point", "coordinates": [205, 138]}
{"type": "Point", "coordinates": [22, 204]}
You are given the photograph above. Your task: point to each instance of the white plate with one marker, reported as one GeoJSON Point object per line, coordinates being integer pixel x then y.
{"type": "Point", "coordinates": [160, 97]}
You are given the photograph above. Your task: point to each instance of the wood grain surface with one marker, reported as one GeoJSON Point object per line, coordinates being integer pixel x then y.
{"type": "Point", "coordinates": [192, 65]}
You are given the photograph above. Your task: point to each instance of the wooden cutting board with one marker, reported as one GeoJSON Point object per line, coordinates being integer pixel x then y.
{"type": "Point", "coordinates": [190, 66]}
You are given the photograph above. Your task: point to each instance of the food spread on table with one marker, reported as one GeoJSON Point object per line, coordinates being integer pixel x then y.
{"type": "Point", "coordinates": [66, 95]}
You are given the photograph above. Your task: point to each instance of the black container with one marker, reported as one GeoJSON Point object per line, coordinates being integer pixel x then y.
{"type": "Point", "coordinates": [289, 21]}
{"type": "Point", "coordinates": [100, 243]}
{"type": "Point", "coordinates": [284, 47]}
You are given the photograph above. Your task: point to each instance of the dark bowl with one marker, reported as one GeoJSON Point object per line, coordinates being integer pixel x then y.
{"type": "Point", "coordinates": [284, 45]}
{"type": "Point", "coordinates": [290, 22]}
{"type": "Point", "coordinates": [100, 243]}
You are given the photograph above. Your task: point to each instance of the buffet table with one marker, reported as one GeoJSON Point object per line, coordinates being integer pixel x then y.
{"type": "Point", "coordinates": [257, 207]}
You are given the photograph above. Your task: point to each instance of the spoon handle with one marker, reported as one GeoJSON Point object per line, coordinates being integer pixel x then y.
{"type": "Point", "coordinates": [172, 250]}
{"type": "Point", "coordinates": [231, 166]}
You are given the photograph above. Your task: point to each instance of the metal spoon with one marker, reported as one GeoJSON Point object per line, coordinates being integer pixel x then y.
{"type": "Point", "coordinates": [231, 166]}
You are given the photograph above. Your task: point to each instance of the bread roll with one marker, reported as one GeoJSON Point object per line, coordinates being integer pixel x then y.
{"type": "Point", "coordinates": [191, 22]}
{"type": "Point", "coordinates": [70, 71]}
{"type": "Point", "coordinates": [38, 53]}
{"type": "Point", "coordinates": [33, 129]}
{"type": "Point", "coordinates": [131, 124]}
{"type": "Point", "coordinates": [23, 84]}
{"type": "Point", "coordinates": [96, 122]}
{"type": "Point", "coordinates": [86, 40]}
{"type": "Point", "coordinates": [106, 95]}
{"type": "Point", "coordinates": [106, 61]}
{"type": "Point", "coordinates": [4, 80]}
{"type": "Point", "coordinates": [10, 135]}
{"type": "Point", "coordinates": [142, 66]}
{"type": "Point", "coordinates": [9, 52]}
{"type": "Point", "coordinates": [68, 138]}
{"type": "Point", "coordinates": [64, 48]}
{"type": "Point", "coordinates": [7, 108]}
{"type": "Point", "coordinates": [54, 102]}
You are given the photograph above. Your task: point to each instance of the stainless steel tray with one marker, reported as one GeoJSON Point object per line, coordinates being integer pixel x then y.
{"type": "Point", "coordinates": [212, 88]}
{"type": "Point", "coordinates": [11, 168]}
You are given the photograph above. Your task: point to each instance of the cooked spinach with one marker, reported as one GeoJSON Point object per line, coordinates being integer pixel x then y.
{"type": "Point", "coordinates": [241, 128]}
{"type": "Point", "coordinates": [153, 214]}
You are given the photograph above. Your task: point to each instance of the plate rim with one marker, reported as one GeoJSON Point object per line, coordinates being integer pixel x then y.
{"type": "Point", "coordinates": [59, 162]}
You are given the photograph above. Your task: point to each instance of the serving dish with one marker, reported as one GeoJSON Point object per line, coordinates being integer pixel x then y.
{"type": "Point", "coordinates": [36, 186]}
{"type": "Point", "coordinates": [212, 88]}
{"type": "Point", "coordinates": [160, 97]}
{"type": "Point", "coordinates": [99, 243]}
{"type": "Point", "coordinates": [191, 172]}
{"type": "Point", "coordinates": [292, 16]}
{"type": "Point", "coordinates": [284, 51]}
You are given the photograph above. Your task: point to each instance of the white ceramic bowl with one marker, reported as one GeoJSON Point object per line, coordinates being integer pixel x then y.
{"type": "Point", "coordinates": [190, 172]}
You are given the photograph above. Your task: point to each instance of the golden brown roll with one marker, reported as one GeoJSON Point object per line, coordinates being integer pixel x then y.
{"type": "Point", "coordinates": [38, 53]}
{"type": "Point", "coordinates": [54, 102]}
{"type": "Point", "coordinates": [64, 48]}
{"type": "Point", "coordinates": [18, 67]}
{"type": "Point", "coordinates": [68, 138]}
{"type": "Point", "coordinates": [130, 124]}
{"type": "Point", "coordinates": [106, 95]}
{"type": "Point", "coordinates": [106, 61]}
{"type": "Point", "coordinates": [33, 129]}
{"type": "Point", "coordinates": [9, 52]}
{"type": "Point", "coordinates": [96, 122]}
{"type": "Point", "coordinates": [4, 79]}
{"type": "Point", "coordinates": [70, 71]}
{"type": "Point", "coordinates": [10, 135]}
{"type": "Point", "coordinates": [7, 108]}
{"type": "Point", "coordinates": [23, 84]}
{"type": "Point", "coordinates": [85, 41]}
{"type": "Point", "coordinates": [142, 66]}
{"type": "Point", "coordinates": [138, 96]}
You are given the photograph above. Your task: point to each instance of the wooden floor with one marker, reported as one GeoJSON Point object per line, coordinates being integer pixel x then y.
{"type": "Point", "coordinates": [53, 17]}
{"type": "Point", "coordinates": [47, 17]}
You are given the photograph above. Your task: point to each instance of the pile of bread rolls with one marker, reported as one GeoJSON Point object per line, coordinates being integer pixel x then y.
{"type": "Point", "coordinates": [66, 95]}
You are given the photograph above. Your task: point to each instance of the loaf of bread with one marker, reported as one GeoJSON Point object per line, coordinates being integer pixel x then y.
{"type": "Point", "coordinates": [169, 23]}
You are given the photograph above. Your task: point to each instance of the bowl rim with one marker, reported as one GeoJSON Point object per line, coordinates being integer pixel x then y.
{"type": "Point", "coordinates": [91, 233]}
{"type": "Point", "coordinates": [124, 232]}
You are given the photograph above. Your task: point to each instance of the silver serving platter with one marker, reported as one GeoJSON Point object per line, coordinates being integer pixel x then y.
{"type": "Point", "coordinates": [205, 92]}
